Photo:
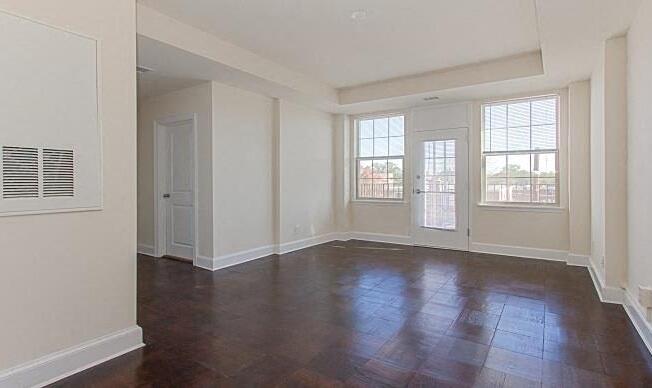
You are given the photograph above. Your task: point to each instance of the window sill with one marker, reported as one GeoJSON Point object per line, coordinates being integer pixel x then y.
{"type": "Point", "coordinates": [378, 202]}
{"type": "Point", "coordinates": [521, 208]}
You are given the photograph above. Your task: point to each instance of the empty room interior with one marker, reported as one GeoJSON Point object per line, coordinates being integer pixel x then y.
{"type": "Point", "coordinates": [306, 193]}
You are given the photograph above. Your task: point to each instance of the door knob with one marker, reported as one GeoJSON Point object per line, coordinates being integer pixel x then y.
{"type": "Point", "coordinates": [418, 191]}
{"type": "Point", "coordinates": [166, 195]}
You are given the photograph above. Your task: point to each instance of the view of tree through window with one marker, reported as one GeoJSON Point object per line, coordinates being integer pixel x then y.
{"type": "Point", "coordinates": [520, 152]}
{"type": "Point", "coordinates": [379, 158]}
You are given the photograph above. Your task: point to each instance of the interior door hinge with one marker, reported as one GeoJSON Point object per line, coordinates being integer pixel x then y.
{"type": "Point", "coordinates": [468, 232]}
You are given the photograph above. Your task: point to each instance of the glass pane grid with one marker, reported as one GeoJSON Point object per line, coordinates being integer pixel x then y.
{"type": "Point", "coordinates": [520, 151]}
{"type": "Point", "coordinates": [439, 185]}
{"type": "Point", "coordinates": [380, 158]}
{"type": "Point", "coordinates": [522, 178]}
{"type": "Point", "coordinates": [520, 125]}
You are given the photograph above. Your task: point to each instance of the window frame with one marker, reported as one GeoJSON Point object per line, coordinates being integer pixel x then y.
{"type": "Point", "coordinates": [557, 150]}
{"type": "Point", "coordinates": [356, 158]}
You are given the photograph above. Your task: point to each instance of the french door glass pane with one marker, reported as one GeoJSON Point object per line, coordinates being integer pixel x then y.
{"type": "Point", "coordinates": [439, 185]}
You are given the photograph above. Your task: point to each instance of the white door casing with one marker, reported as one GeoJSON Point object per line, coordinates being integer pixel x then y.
{"type": "Point", "coordinates": [176, 216]}
{"type": "Point", "coordinates": [440, 192]}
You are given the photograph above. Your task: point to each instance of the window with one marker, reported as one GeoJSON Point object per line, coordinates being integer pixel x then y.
{"type": "Point", "coordinates": [379, 157]}
{"type": "Point", "coordinates": [520, 152]}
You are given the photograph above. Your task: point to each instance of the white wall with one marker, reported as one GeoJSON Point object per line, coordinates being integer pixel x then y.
{"type": "Point", "coordinates": [609, 163]}
{"type": "Point", "coordinates": [381, 218]}
{"type": "Point", "coordinates": [305, 173]}
{"type": "Point", "coordinates": [597, 167]}
{"type": "Point", "coordinates": [70, 278]}
{"type": "Point", "coordinates": [639, 185]}
{"type": "Point", "coordinates": [342, 172]}
{"type": "Point", "coordinates": [265, 168]}
{"type": "Point", "coordinates": [195, 100]}
{"type": "Point", "coordinates": [579, 168]}
{"type": "Point", "coordinates": [242, 143]}
{"type": "Point", "coordinates": [615, 167]}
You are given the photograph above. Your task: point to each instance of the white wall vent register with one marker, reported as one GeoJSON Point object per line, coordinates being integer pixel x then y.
{"type": "Point", "coordinates": [32, 173]}
{"type": "Point", "coordinates": [50, 135]}
{"type": "Point", "coordinates": [58, 173]}
{"type": "Point", "coordinates": [20, 177]}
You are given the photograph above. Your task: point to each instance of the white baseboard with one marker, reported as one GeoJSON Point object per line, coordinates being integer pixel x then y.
{"type": "Point", "coordinates": [56, 366]}
{"type": "Point", "coordinates": [637, 315]}
{"type": "Point", "coordinates": [204, 262]}
{"type": "Point", "coordinates": [606, 294]}
{"type": "Point", "coordinates": [379, 237]}
{"type": "Point", "coordinates": [215, 263]}
{"type": "Point", "coordinates": [307, 242]}
{"type": "Point", "coordinates": [577, 260]}
{"type": "Point", "coordinates": [146, 249]}
{"type": "Point", "coordinates": [530, 253]}
{"type": "Point", "coordinates": [229, 260]}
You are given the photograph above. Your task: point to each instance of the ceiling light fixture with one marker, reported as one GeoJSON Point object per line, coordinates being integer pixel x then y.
{"type": "Point", "coordinates": [431, 98]}
{"type": "Point", "coordinates": [358, 15]}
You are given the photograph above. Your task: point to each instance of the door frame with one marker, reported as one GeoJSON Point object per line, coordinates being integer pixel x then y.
{"type": "Point", "coordinates": [160, 225]}
{"type": "Point", "coordinates": [413, 201]}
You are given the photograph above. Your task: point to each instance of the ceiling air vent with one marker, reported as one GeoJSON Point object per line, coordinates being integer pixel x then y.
{"type": "Point", "coordinates": [19, 172]}
{"type": "Point", "coordinates": [58, 173]}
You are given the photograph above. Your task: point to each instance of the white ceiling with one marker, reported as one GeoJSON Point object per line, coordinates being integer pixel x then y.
{"type": "Point", "coordinates": [155, 84]}
{"type": "Point", "coordinates": [318, 38]}
{"type": "Point", "coordinates": [398, 37]}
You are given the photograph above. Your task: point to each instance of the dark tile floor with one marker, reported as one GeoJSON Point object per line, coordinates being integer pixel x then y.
{"type": "Point", "coordinates": [364, 314]}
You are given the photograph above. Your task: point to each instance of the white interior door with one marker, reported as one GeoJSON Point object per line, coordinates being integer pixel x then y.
{"type": "Point", "coordinates": [440, 193]}
{"type": "Point", "coordinates": [176, 188]}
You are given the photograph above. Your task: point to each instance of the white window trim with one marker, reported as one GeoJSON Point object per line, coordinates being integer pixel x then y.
{"type": "Point", "coordinates": [354, 158]}
{"type": "Point", "coordinates": [558, 206]}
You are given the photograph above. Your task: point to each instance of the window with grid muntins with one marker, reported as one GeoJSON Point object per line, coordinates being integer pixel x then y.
{"type": "Point", "coordinates": [520, 152]}
{"type": "Point", "coordinates": [379, 157]}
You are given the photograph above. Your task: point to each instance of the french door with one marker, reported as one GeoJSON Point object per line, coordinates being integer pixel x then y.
{"type": "Point", "coordinates": [440, 193]}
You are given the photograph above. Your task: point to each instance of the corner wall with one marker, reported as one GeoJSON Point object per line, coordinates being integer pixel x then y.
{"type": "Point", "coordinates": [305, 173]}
{"type": "Point", "coordinates": [265, 172]}
{"type": "Point", "coordinates": [609, 164]}
{"type": "Point", "coordinates": [639, 185]}
{"type": "Point", "coordinates": [579, 171]}
{"type": "Point", "coordinates": [70, 278]}
{"type": "Point", "coordinates": [243, 200]}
